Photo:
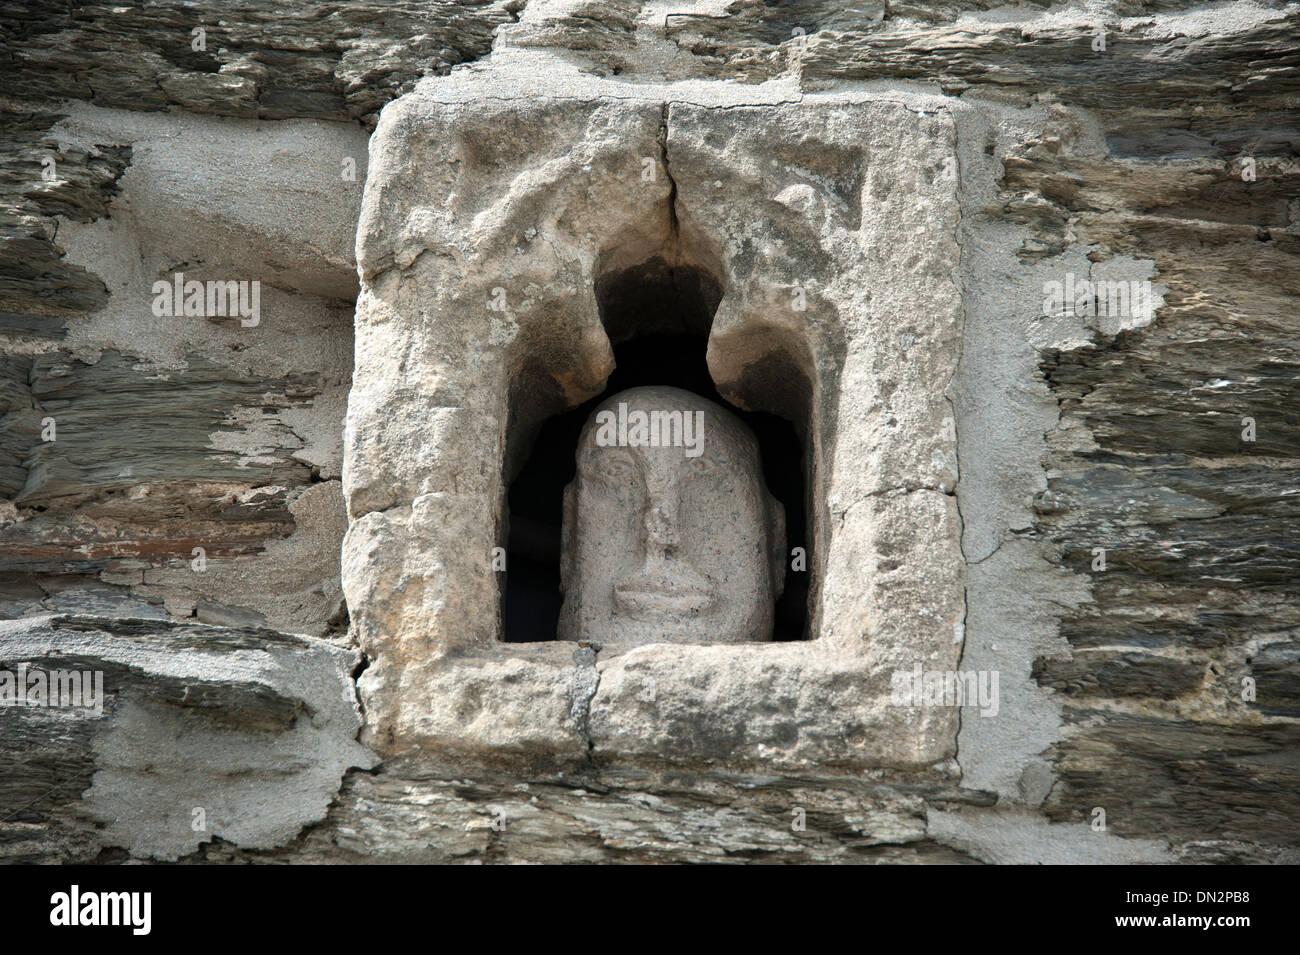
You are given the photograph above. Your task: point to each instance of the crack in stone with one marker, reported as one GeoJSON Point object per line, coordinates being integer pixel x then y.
{"type": "Point", "coordinates": [586, 680]}
{"type": "Point", "coordinates": [674, 226]}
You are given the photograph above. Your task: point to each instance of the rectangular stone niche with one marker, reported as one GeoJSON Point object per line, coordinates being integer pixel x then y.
{"type": "Point", "coordinates": [488, 217]}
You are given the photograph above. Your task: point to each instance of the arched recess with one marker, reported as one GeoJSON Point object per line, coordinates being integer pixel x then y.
{"type": "Point", "coordinates": [658, 317]}
{"type": "Point", "coordinates": [786, 361]}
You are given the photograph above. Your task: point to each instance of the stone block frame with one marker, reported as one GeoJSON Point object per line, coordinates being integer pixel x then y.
{"type": "Point", "coordinates": [489, 216]}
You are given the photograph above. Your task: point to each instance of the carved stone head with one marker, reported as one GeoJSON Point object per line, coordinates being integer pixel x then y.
{"type": "Point", "coordinates": [670, 534]}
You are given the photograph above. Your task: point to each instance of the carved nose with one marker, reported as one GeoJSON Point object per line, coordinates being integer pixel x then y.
{"type": "Point", "coordinates": [661, 527]}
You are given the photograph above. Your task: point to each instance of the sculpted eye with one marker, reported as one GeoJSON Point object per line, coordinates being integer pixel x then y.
{"type": "Point", "coordinates": [703, 467]}
{"type": "Point", "coordinates": [615, 470]}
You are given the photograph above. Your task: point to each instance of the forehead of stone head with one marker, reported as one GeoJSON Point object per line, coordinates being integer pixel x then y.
{"type": "Point", "coordinates": [723, 431]}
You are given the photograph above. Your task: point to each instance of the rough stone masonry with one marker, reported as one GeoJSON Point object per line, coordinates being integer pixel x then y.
{"type": "Point", "coordinates": [1019, 279]}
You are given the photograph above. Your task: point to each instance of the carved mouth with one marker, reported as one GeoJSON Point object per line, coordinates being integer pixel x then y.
{"type": "Point", "coordinates": [654, 595]}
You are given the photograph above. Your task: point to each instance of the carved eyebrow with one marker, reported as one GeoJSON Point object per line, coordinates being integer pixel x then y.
{"type": "Point", "coordinates": [712, 462]}
{"type": "Point", "coordinates": [612, 453]}
{"type": "Point", "coordinates": [608, 458]}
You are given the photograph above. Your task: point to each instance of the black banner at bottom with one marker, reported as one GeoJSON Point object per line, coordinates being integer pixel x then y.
{"type": "Point", "coordinates": [297, 904]}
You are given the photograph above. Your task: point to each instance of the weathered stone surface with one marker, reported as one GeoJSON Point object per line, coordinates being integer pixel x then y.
{"type": "Point", "coordinates": [180, 432]}
{"type": "Point", "coordinates": [260, 727]}
{"type": "Point", "coordinates": [919, 171]}
{"type": "Point", "coordinates": [115, 497]}
{"type": "Point", "coordinates": [501, 243]}
{"type": "Point", "coordinates": [260, 60]}
{"type": "Point", "coordinates": [39, 290]}
{"type": "Point", "coordinates": [467, 814]}
{"type": "Point", "coordinates": [226, 198]}
{"type": "Point", "coordinates": [83, 398]}
{"type": "Point", "coordinates": [1182, 780]}
{"type": "Point", "coordinates": [1120, 673]}
{"type": "Point", "coordinates": [1147, 59]}
{"type": "Point", "coordinates": [1276, 670]}
{"type": "Point", "coordinates": [1150, 461]}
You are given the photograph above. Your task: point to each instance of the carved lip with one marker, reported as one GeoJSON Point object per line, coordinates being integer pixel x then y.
{"type": "Point", "coordinates": [654, 595]}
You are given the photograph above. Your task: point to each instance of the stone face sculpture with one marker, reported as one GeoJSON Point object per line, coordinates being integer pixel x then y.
{"type": "Point", "coordinates": [670, 534]}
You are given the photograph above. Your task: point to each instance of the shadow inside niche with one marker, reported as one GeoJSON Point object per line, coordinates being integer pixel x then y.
{"type": "Point", "coordinates": [532, 591]}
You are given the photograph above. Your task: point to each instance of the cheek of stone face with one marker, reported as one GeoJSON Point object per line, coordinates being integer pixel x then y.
{"type": "Point", "coordinates": [609, 515]}
{"type": "Point", "coordinates": [723, 535]}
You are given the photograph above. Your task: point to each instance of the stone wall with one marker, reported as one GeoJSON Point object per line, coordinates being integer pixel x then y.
{"type": "Point", "coordinates": [1144, 142]}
